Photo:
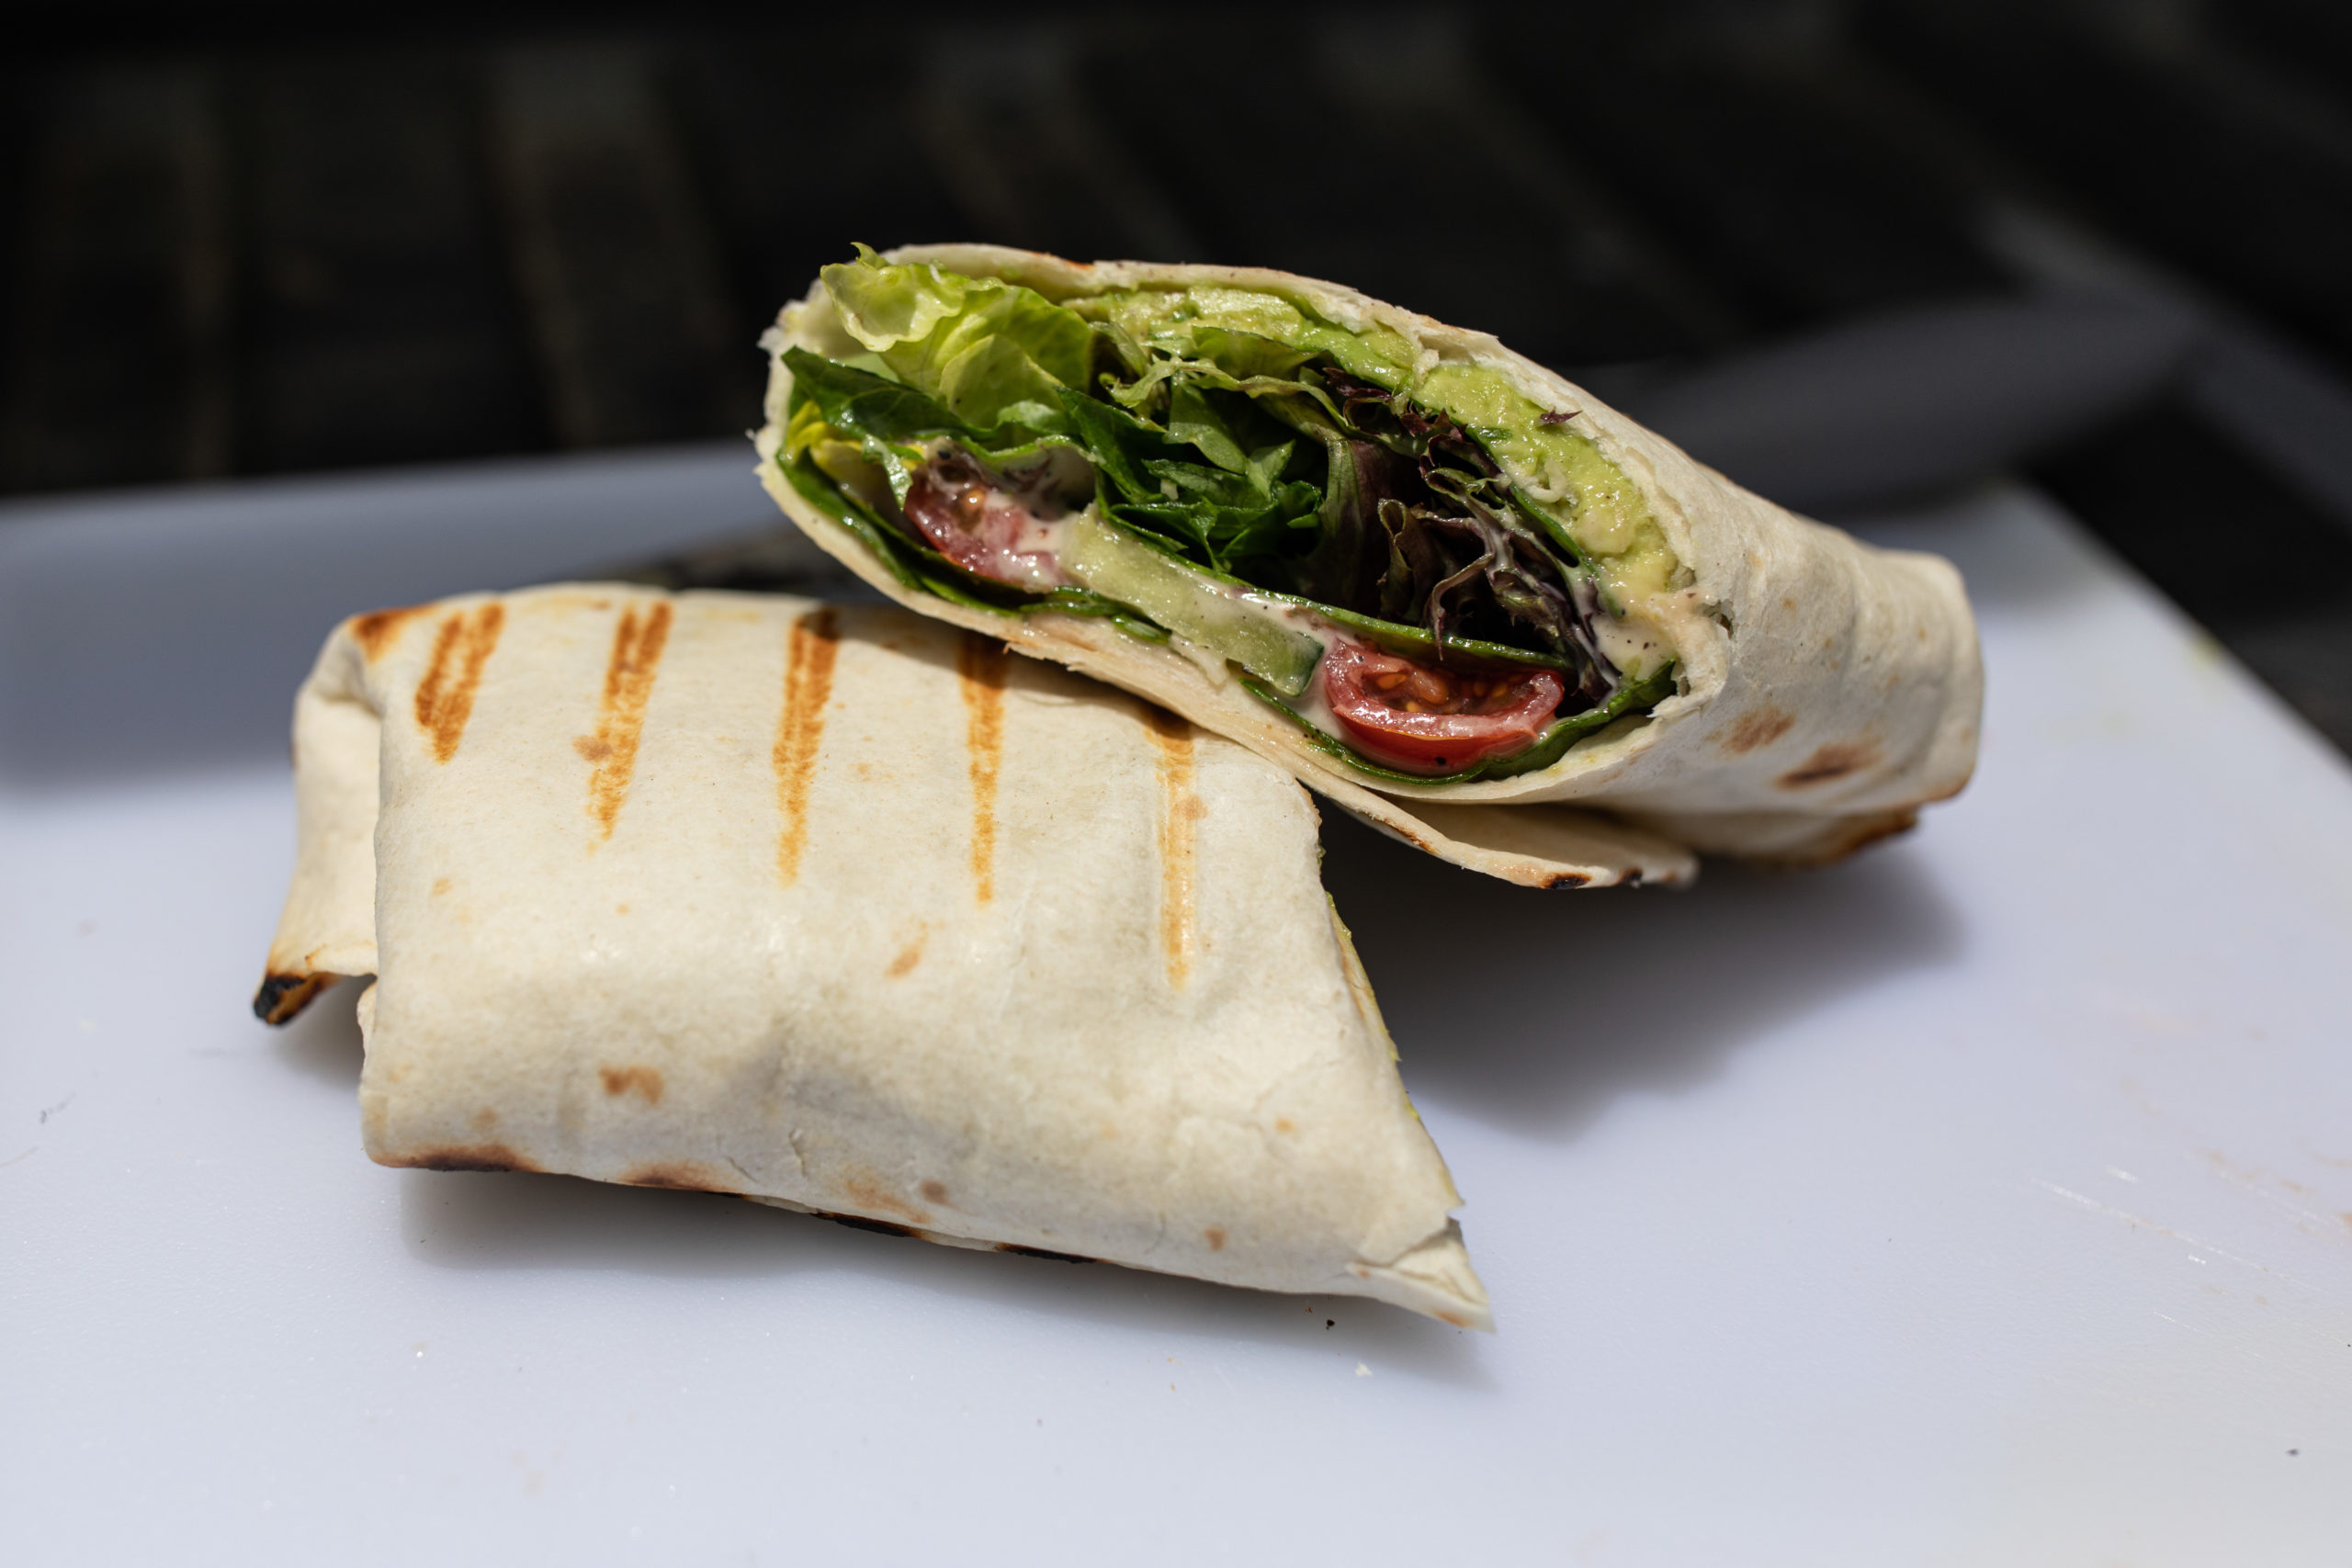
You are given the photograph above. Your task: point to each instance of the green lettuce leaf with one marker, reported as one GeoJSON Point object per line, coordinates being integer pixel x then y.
{"type": "Point", "coordinates": [990, 352]}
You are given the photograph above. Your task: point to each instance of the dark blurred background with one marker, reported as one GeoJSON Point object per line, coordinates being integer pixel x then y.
{"type": "Point", "coordinates": [1853, 253]}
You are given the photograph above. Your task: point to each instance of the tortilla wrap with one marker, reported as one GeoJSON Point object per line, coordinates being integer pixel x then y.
{"type": "Point", "coordinates": [1823, 690]}
{"type": "Point", "coordinates": [849, 912]}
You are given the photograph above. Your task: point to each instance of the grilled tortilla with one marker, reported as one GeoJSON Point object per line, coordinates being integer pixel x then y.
{"type": "Point", "coordinates": [848, 911]}
{"type": "Point", "coordinates": [1439, 583]}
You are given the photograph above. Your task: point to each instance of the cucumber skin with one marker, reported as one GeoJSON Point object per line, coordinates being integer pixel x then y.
{"type": "Point", "coordinates": [1108, 561]}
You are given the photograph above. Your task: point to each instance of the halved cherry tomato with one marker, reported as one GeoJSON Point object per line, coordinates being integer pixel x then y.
{"type": "Point", "coordinates": [1413, 716]}
{"type": "Point", "coordinates": [980, 527]}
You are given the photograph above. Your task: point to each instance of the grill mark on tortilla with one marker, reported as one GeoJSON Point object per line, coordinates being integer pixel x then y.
{"type": "Point", "coordinates": [1179, 810]}
{"type": "Point", "coordinates": [1758, 728]}
{"type": "Point", "coordinates": [620, 714]}
{"type": "Point", "coordinates": [379, 630]}
{"type": "Point", "coordinates": [645, 1082]}
{"type": "Point", "coordinates": [444, 699]}
{"type": "Point", "coordinates": [980, 664]}
{"type": "Point", "coordinates": [465, 1157]}
{"type": "Point", "coordinates": [808, 686]}
{"type": "Point", "coordinates": [1833, 761]}
{"type": "Point", "coordinates": [283, 996]}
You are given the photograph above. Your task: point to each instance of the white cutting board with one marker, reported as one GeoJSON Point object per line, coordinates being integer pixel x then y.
{"type": "Point", "coordinates": [1986, 1200]}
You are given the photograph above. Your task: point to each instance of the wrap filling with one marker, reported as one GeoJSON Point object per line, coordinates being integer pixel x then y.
{"type": "Point", "coordinates": [1434, 576]}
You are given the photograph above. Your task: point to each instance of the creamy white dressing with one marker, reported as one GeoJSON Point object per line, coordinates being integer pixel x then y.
{"type": "Point", "coordinates": [1633, 643]}
{"type": "Point", "coordinates": [1025, 517]}
{"type": "Point", "coordinates": [1041, 536]}
{"type": "Point", "coordinates": [1316, 708]}
{"type": "Point", "coordinates": [1310, 705]}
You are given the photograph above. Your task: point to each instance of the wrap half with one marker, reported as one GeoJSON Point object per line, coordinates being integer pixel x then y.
{"type": "Point", "coordinates": [849, 912]}
{"type": "Point", "coordinates": [1428, 576]}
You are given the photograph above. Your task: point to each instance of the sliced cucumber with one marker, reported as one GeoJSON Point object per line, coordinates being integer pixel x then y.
{"type": "Point", "coordinates": [1228, 620]}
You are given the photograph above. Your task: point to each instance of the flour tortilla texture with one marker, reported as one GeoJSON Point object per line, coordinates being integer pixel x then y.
{"type": "Point", "coordinates": [847, 911]}
{"type": "Point", "coordinates": [1829, 688]}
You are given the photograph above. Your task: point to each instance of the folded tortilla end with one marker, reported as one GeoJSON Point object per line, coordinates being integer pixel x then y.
{"type": "Point", "coordinates": [283, 996]}
{"type": "Point", "coordinates": [1433, 1279]}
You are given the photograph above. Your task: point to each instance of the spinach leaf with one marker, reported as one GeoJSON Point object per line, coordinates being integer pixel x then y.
{"type": "Point", "coordinates": [1224, 516]}
{"type": "Point", "coordinates": [862, 405]}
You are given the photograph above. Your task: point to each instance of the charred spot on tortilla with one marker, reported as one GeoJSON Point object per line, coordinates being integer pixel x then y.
{"type": "Point", "coordinates": [869, 1193]}
{"type": "Point", "coordinates": [281, 997]}
{"type": "Point", "coordinates": [859, 1223]}
{"type": "Point", "coordinates": [1567, 879]}
{"type": "Point", "coordinates": [1837, 760]}
{"type": "Point", "coordinates": [1045, 1253]}
{"type": "Point", "coordinates": [935, 1191]}
{"type": "Point", "coordinates": [909, 955]}
{"type": "Point", "coordinates": [380, 629]}
{"type": "Point", "coordinates": [474, 1156]}
{"type": "Point", "coordinates": [644, 1082]}
{"type": "Point", "coordinates": [678, 1178]}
